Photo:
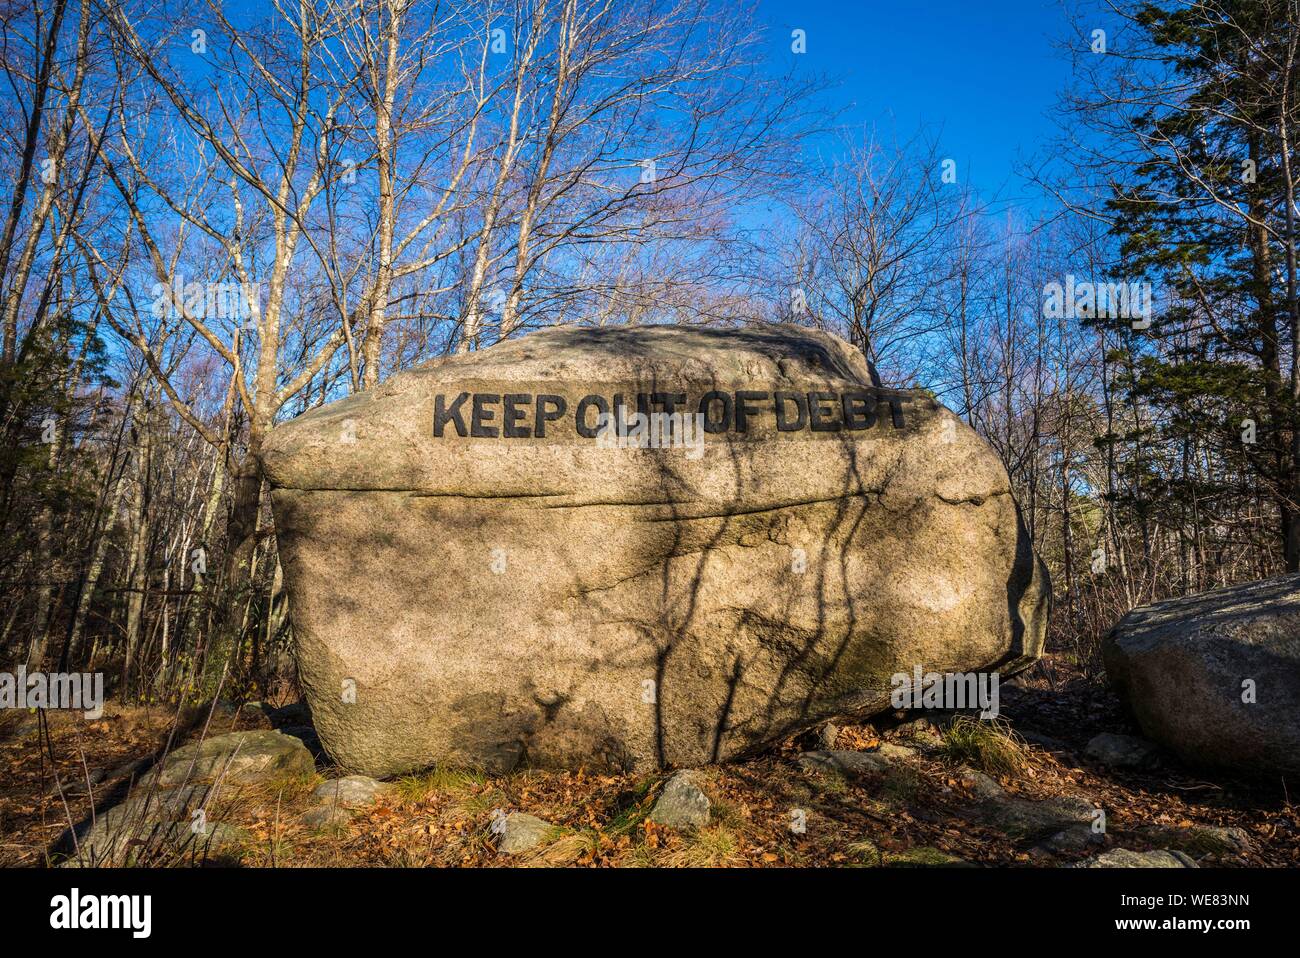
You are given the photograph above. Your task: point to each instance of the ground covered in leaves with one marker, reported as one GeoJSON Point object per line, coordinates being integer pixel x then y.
{"type": "Point", "coordinates": [769, 811]}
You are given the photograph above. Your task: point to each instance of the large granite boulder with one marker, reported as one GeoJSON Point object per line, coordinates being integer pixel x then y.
{"type": "Point", "coordinates": [1216, 677]}
{"type": "Point", "coordinates": [478, 575]}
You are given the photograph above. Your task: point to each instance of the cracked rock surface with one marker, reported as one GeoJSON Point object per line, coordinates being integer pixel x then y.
{"type": "Point", "coordinates": [492, 599]}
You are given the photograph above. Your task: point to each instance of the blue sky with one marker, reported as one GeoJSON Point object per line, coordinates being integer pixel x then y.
{"type": "Point", "coordinates": [982, 76]}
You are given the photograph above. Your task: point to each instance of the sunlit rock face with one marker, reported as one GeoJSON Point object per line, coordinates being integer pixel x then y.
{"type": "Point", "coordinates": [494, 559]}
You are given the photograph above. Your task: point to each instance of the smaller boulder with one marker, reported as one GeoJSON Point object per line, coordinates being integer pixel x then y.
{"type": "Point", "coordinates": [683, 803]}
{"type": "Point", "coordinates": [1215, 677]}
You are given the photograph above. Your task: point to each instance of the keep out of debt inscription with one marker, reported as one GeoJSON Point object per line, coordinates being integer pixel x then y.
{"type": "Point", "coordinates": [482, 415]}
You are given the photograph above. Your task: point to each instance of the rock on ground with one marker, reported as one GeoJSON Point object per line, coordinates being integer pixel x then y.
{"type": "Point", "coordinates": [1122, 751]}
{"type": "Point", "coordinates": [256, 756]}
{"type": "Point", "coordinates": [1020, 818]}
{"type": "Point", "coordinates": [682, 804]}
{"type": "Point", "coordinates": [510, 587]}
{"type": "Point", "coordinates": [185, 792]}
{"type": "Point", "coordinates": [984, 786]}
{"type": "Point", "coordinates": [1197, 840]}
{"type": "Point", "coordinates": [521, 833]}
{"type": "Point", "coordinates": [339, 798]}
{"type": "Point", "coordinates": [351, 791]}
{"type": "Point", "coordinates": [1024, 818]}
{"type": "Point", "coordinates": [149, 820]}
{"type": "Point", "coordinates": [1124, 858]}
{"type": "Point", "coordinates": [1215, 677]}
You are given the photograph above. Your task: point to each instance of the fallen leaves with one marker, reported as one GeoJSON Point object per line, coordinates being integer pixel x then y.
{"type": "Point", "coordinates": [603, 814]}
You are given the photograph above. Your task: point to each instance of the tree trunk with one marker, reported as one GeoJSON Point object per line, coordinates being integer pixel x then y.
{"type": "Point", "coordinates": [137, 560]}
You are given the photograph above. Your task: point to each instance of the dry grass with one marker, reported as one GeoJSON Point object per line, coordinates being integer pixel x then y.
{"type": "Point", "coordinates": [564, 849]}
{"type": "Point", "coordinates": [990, 746]}
{"type": "Point", "coordinates": [439, 780]}
{"type": "Point", "coordinates": [443, 817]}
{"type": "Point", "coordinates": [714, 846]}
